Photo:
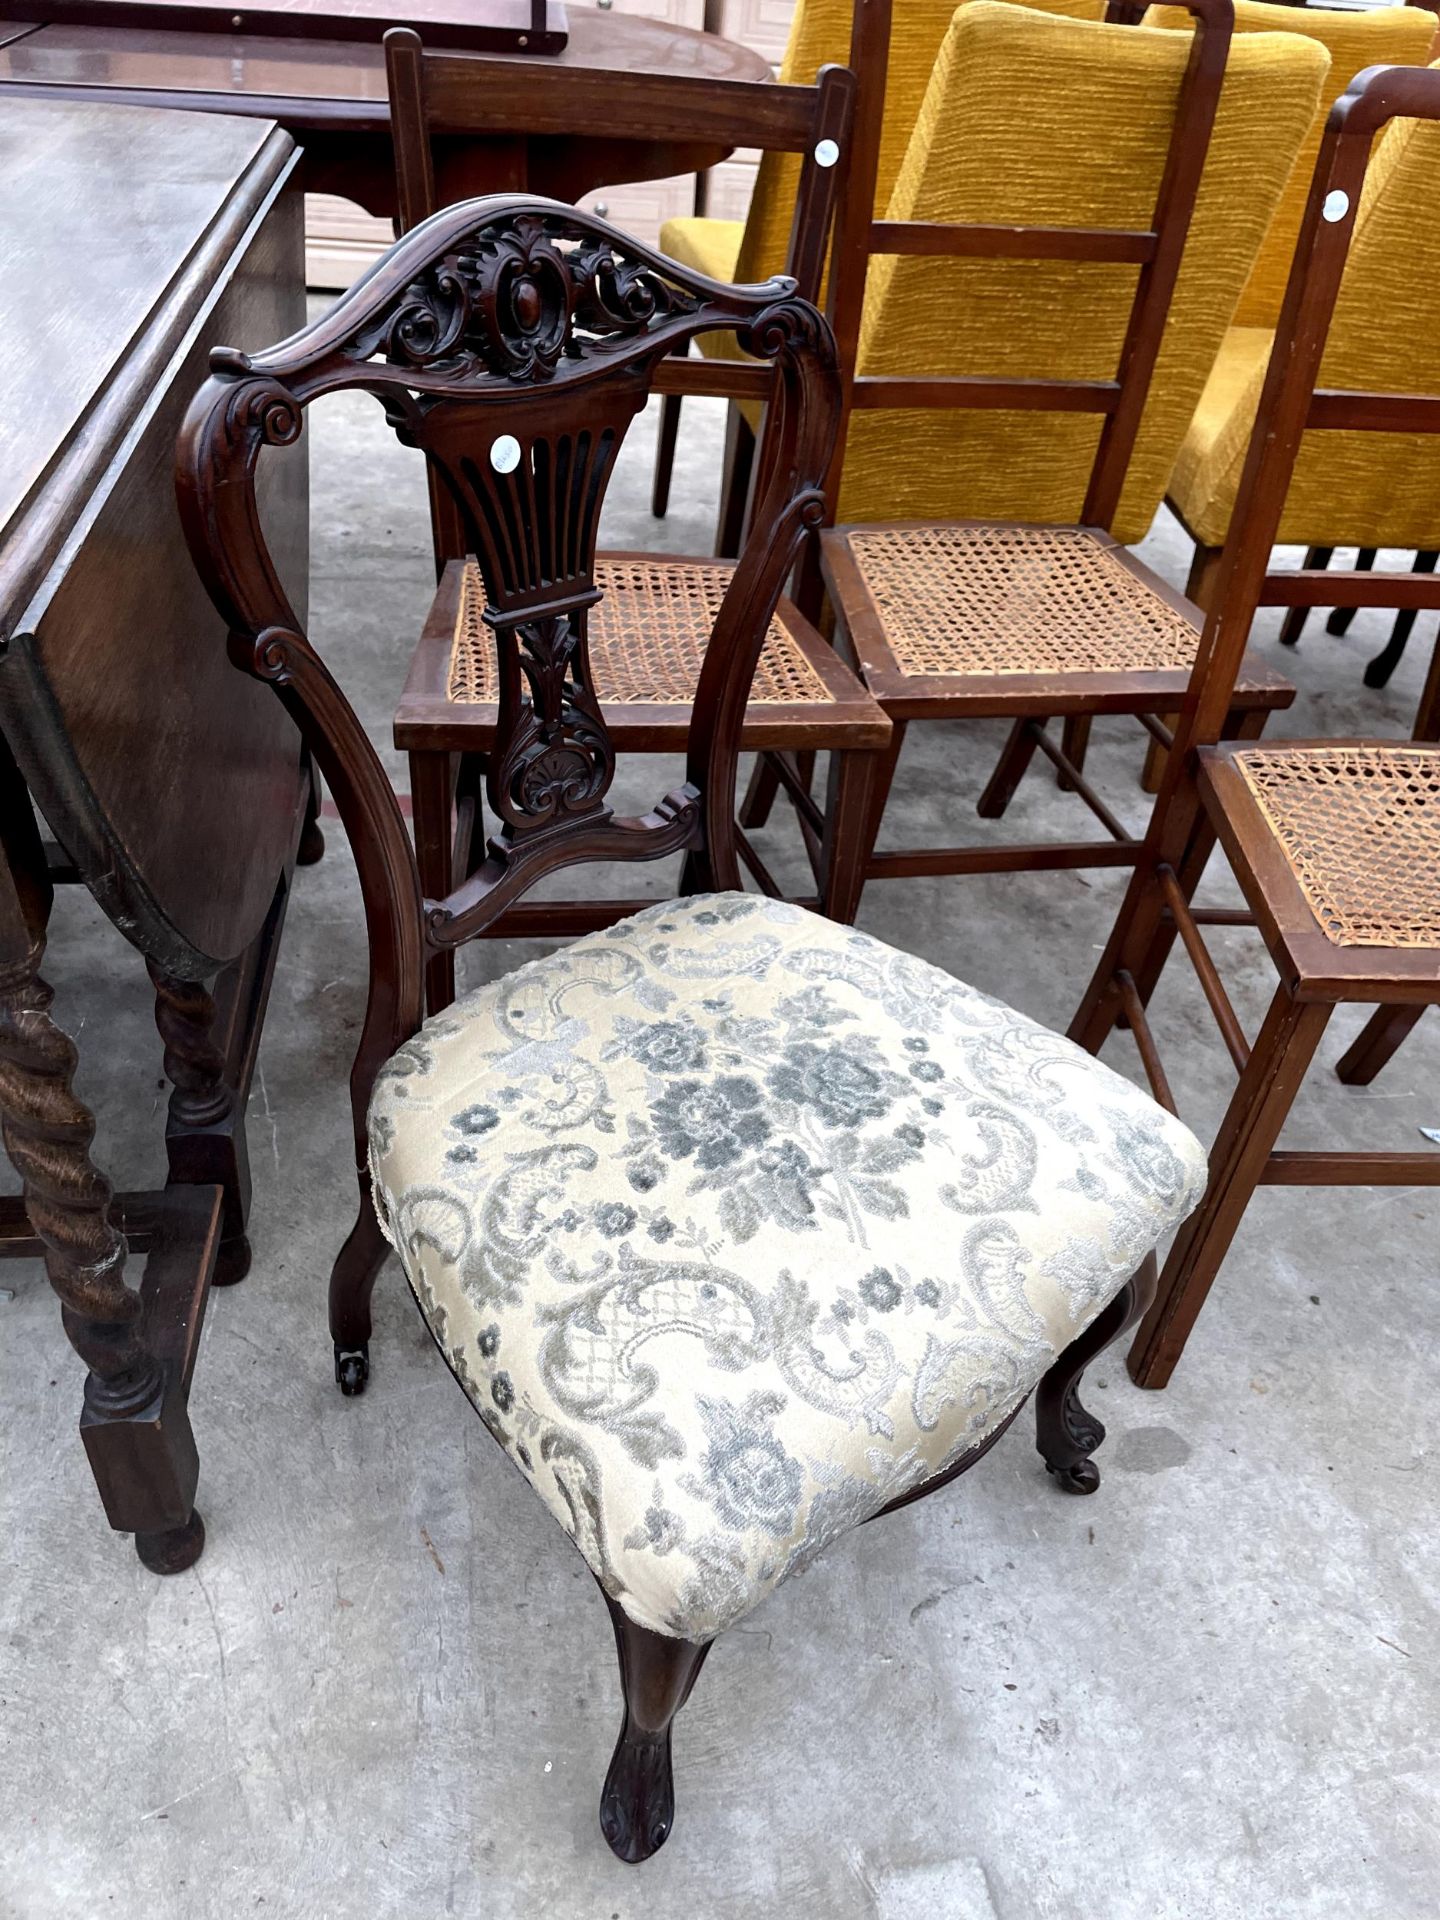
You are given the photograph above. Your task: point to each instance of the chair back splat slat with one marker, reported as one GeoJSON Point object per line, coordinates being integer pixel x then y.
{"type": "Point", "coordinates": [513, 340]}
{"type": "Point", "coordinates": [483, 98]}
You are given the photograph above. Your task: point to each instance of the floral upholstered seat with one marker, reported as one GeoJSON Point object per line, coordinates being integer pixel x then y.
{"type": "Point", "coordinates": [735, 1224]}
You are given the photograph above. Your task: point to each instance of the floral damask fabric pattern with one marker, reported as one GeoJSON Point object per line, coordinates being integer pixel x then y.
{"type": "Point", "coordinates": [736, 1224]}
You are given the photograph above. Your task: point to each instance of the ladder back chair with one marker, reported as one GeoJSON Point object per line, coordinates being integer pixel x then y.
{"type": "Point", "coordinates": [1335, 844]}
{"type": "Point", "coordinates": [891, 64]}
{"type": "Point", "coordinates": [736, 1226]}
{"type": "Point", "coordinates": [1076, 238]}
{"type": "Point", "coordinates": [1368, 493]}
{"type": "Point", "coordinates": [649, 632]}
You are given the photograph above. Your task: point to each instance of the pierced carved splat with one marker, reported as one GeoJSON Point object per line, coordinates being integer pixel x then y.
{"type": "Point", "coordinates": [521, 295]}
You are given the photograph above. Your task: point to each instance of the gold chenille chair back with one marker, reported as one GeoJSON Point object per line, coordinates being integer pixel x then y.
{"type": "Point", "coordinates": [845, 32]}
{"type": "Point", "coordinates": [1368, 491]}
{"type": "Point", "coordinates": [1354, 40]}
{"type": "Point", "coordinates": [842, 32]}
{"type": "Point", "coordinates": [1038, 119]}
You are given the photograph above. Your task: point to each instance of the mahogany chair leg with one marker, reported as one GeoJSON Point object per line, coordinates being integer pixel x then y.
{"type": "Point", "coordinates": [1293, 625]}
{"type": "Point", "coordinates": [882, 777]}
{"type": "Point", "coordinates": [432, 802]}
{"type": "Point", "coordinates": [735, 484]}
{"type": "Point", "coordinates": [1252, 1124]}
{"type": "Point", "coordinates": [637, 1803]}
{"type": "Point", "coordinates": [1010, 768]}
{"type": "Point", "coordinates": [760, 793]}
{"type": "Point", "coordinates": [352, 1282]}
{"type": "Point", "coordinates": [1379, 670]}
{"type": "Point", "coordinates": [849, 804]}
{"type": "Point", "coordinates": [1341, 617]}
{"type": "Point", "coordinates": [1074, 744]}
{"type": "Point", "coordinates": [312, 840]}
{"type": "Point", "coordinates": [1199, 585]}
{"type": "Point", "coordinates": [1066, 1434]}
{"type": "Point", "coordinates": [1204, 571]}
{"type": "Point", "coordinates": [1246, 725]}
{"type": "Point", "coordinates": [1379, 1039]}
{"type": "Point", "coordinates": [665, 454]}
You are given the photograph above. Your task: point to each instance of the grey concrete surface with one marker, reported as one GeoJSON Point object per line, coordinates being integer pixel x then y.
{"type": "Point", "coordinates": [388, 1690]}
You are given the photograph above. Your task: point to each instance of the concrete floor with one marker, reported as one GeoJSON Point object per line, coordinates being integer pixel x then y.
{"type": "Point", "coordinates": [388, 1687]}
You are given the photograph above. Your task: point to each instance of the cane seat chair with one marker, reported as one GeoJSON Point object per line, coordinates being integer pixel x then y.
{"type": "Point", "coordinates": [736, 1226]}
{"type": "Point", "coordinates": [1335, 844]}
{"type": "Point", "coordinates": [1366, 491]}
{"type": "Point", "coordinates": [662, 608]}
{"type": "Point", "coordinates": [1100, 199]}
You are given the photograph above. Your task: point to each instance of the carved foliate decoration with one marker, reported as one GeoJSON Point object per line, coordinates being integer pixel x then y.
{"type": "Point", "coordinates": [554, 761]}
{"type": "Point", "coordinates": [517, 298]}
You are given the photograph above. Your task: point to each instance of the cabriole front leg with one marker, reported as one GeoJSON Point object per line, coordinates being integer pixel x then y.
{"type": "Point", "coordinates": [134, 1424]}
{"type": "Point", "coordinates": [637, 1805]}
{"type": "Point", "coordinates": [1067, 1434]}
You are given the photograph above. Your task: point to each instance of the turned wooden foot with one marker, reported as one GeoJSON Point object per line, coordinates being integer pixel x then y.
{"type": "Point", "coordinates": [637, 1803]}
{"type": "Point", "coordinates": [175, 1550]}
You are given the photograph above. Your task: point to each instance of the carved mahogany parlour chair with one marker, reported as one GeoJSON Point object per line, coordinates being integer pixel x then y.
{"type": "Point", "coordinates": [648, 633]}
{"type": "Point", "coordinates": [1335, 844]}
{"type": "Point", "coordinates": [736, 1226]}
{"type": "Point", "coordinates": [1062, 248]}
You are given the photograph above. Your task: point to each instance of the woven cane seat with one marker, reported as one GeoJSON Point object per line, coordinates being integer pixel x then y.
{"type": "Point", "coordinates": [648, 636]}
{"type": "Point", "coordinates": [1359, 826]}
{"type": "Point", "coordinates": [981, 599]}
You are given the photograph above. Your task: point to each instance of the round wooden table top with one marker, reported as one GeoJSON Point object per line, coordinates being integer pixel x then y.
{"type": "Point", "coordinates": [310, 85]}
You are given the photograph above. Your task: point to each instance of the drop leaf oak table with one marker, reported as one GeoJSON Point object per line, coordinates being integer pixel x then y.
{"type": "Point", "coordinates": [135, 240]}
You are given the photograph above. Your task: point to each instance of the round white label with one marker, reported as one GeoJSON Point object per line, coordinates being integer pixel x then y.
{"type": "Point", "coordinates": [505, 454]}
{"type": "Point", "coordinates": [827, 152]}
{"type": "Point", "coordinates": [1337, 205]}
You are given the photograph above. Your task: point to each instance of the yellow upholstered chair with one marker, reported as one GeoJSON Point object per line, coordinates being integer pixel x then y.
{"type": "Point", "coordinates": [1036, 121]}
{"type": "Point", "coordinates": [1349, 490]}
{"type": "Point", "coordinates": [750, 250]}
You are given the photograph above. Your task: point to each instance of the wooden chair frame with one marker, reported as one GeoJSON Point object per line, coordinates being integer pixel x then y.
{"type": "Point", "coordinates": [1031, 701]}
{"type": "Point", "coordinates": [497, 335]}
{"type": "Point", "coordinates": [438, 94]}
{"type": "Point", "coordinates": [1205, 793]}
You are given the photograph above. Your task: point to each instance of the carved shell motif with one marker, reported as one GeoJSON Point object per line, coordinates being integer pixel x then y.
{"type": "Point", "coordinates": [518, 298]}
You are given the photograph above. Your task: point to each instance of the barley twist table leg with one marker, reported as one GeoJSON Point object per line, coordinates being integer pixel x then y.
{"type": "Point", "coordinates": [205, 1137]}
{"type": "Point", "coordinates": [134, 1423]}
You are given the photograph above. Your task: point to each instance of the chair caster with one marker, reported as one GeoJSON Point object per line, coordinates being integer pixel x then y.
{"type": "Point", "coordinates": [352, 1368]}
{"type": "Point", "coordinates": [1083, 1477]}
